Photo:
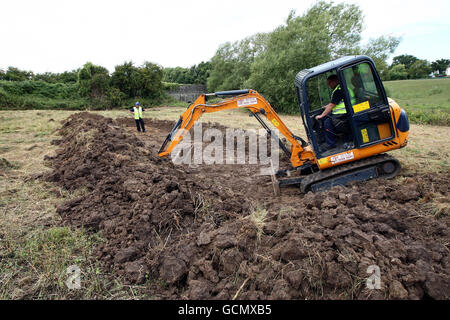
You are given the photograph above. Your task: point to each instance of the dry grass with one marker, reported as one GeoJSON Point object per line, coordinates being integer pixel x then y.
{"type": "Point", "coordinates": [85, 138]}
{"type": "Point", "coordinates": [35, 249]}
{"type": "Point", "coordinates": [258, 217]}
{"type": "Point", "coordinates": [438, 206]}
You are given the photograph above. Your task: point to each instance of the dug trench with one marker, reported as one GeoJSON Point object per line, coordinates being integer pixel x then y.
{"type": "Point", "coordinates": [217, 231]}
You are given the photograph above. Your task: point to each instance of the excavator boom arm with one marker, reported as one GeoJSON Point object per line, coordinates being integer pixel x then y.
{"type": "Point", "coordinates": [248, 99]}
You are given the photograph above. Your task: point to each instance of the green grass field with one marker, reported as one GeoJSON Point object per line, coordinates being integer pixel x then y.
{"type": "Point", "coordinates": [426, 101]}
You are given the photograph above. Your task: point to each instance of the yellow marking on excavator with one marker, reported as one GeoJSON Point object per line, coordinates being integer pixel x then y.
{"type": "Point", "coordinates": [275, 122]}
{"type": "Point", "coordinates": [365, 135]}
{"type": "Point", "coordinates": [361, 107]}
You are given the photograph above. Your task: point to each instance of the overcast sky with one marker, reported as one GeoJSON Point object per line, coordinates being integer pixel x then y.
{"type": "Point", "coordinates": [60, 35]}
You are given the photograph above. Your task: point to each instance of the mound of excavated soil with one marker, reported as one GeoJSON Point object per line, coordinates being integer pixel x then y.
{"type": "Point", "coordinates": [212, 233]}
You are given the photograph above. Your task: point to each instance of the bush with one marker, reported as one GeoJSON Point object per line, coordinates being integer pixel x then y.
{"type": "Point", "coordinates": [90, 86]}
{"type": "Point", "coordinates": [40, 95]}
{"type": "Point", "coordinates": [115, 97]}
{"type": "Point", "coordinates": [398, 72]}
{"type": "Point", "coordinates": [93, 81]}
{"type": "Point", "coordinates": [33, 102]}
{"type": "Point", "coordinates": [432, 117]}
{"type": "Point", "coordinates": [144, 81]}
{"type": "Point", "coordinates": [41, 88]}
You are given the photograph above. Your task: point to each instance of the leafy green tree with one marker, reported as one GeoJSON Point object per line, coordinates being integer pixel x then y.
{"type": "Point", "coordinates": [419, 69]}
{"type": "Point", "coordinates": [196, 74]}
{"type": "Point", "coordinates": [93, 81]}
{"type": "Point", "coordinates": [379, 50]}
{"type": "Point", "coordinates": [99, 84]}
{"type": "Point", "coordinates": [406, 59]}
{"type": "Point", "coordinates": [176, 75]}
{"type": "Point", "coordinates": [324, 32]}
{"type": "Point", "coordinates": [68, 76]}
{"type": "Point", "coordinates": [122, 78]}
{"type": "Point", "coordinates": [231, 65]}
{"type": "Point", "coordinates": [144, 81]}
{"type": "Point", "coordinates": [223, 67]}
{"type": "Point", "coordinates": [47, 77]}
{"type": "Point", "coordinates": [201, 72]}
{"type": "Point", "coordinates": [65, 77]}
{"type": "Point", "coordinates": [15, 74]}
{"type": "Point", "coordinates": [149, 81]}
{"type": "Point", "coordinates": [440, 66]}
{"type": "Point", "coordinates": [398, 72]}
{"type": "Point", "coordinates": [115, 97]}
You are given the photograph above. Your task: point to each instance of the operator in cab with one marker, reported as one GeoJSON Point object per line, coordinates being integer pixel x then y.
{"type": "Point", "coordinates": [333, 112]}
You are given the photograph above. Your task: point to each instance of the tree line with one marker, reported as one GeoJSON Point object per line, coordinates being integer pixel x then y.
{"type": "Point", "coordinates": [89, 86]}
{"type": "Point", "coordinates": [196, 74]}
{"type": "Point", "coordinates": [410, 67]}
{"type": "Point", "coordinates": [15, 74]}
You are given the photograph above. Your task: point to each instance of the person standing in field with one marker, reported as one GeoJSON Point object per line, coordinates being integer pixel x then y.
{"type": "Point", "coordinates": [137, 110]}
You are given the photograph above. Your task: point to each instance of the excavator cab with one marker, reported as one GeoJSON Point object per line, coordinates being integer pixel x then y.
{"type": "Point", "coordinates": [366, 120]}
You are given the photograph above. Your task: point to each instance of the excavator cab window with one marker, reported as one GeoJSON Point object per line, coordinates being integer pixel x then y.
{"type": "Point", "coordinates": [319, 92]}
{"type": "Point", "coordinates": [362, 86]}
{"type": "Point", "coordinates": [319, 95]}
{"type": "Point", "coordinates": [368, 105]}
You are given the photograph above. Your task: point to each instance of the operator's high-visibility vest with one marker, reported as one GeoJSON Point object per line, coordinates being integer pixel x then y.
{"type": "Point", "coordinates": [363, 68]}
{"type": "Point", "coordinates": [137, 113]}
{"type": "Point", "coordinates": [340, 108]}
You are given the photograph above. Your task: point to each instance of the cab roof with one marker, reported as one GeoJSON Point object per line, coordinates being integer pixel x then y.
{"type": "Point", "coordinates": [305, 74]}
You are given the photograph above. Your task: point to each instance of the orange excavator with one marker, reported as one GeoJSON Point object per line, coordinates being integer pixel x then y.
{"type": "Point", "coordinates": [371, 125]}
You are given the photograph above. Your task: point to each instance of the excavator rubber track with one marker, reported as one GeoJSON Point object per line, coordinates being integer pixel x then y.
{"type": "Point", "coordinates": [379, 166]}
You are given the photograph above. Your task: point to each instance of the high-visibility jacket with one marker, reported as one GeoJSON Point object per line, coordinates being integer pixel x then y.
{"type": "Point", "coordinates": [340, 108]}
{"type": "Point", "coordinates": [137, 113]}
{"type": "Point", "coordinates": [363, 68]}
